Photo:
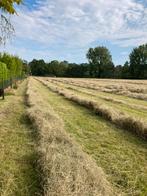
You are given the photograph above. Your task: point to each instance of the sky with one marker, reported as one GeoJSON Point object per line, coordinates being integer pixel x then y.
{"type": "Point", "coordinates": [66, 29]}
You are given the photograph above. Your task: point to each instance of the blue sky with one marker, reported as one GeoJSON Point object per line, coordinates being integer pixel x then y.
{"type": "Point", "coordinates": [66, 29]}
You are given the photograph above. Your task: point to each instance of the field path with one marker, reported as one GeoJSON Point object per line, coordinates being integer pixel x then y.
{"type": "Point", "coordinates": [18, 174]}
{"type": "Point", "coordinates": [122, 155]}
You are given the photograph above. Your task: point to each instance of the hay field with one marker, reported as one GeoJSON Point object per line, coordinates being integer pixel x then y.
{"type": "Point", "coordinates": [111, 127]}
{"type": "Point", "coordinates": [74, 137]}
{"type": "Point", "coordinates": [128, 112]}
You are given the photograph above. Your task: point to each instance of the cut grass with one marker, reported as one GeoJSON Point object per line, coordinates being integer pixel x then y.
{"type": "Point", "coordinates": [119, 118]}
{"type": "Point", "coordinates": [141, 105]}
{"type": "Point", "coordinates": [66, 170]}
{"type": "Point", "coordinates": [133, 109]}
{"type": "Point", "coordinates": [122, 155]}
{"type": "Point", "coordinates": [18, 172]}
{"type": "Point", "coordinates": [121, 89]}
{"type": "Point", "coordinates": [120, 98]}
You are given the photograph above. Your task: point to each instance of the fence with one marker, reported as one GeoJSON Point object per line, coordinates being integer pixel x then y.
{"type": "Point", "coordinates": [6, 78]}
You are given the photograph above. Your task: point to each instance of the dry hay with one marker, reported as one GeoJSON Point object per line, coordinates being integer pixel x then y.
{"type": "Point", "coordinates": [127, 88]}
{"type": "Point", "coordinates": [66, 169]}
{"type": "Point", "coordinates": [119, 118]}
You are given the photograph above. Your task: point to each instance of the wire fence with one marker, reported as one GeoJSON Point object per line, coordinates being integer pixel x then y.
{"type": "Point", "coordinates": [7, 78]}
{"type": "Point", "coordinates": [4, 76]}
{"type": "Point", "coordinates": [5, 83]}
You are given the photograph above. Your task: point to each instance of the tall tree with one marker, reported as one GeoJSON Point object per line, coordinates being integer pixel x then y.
{"type": "Point", "coordinates": [138, 62]}
{"type": "Point", "coordinates": [54, 68]}
{"type": "Point", "coordinates": [38, 67]}
{"type": "Point", "coordinates": [125, 73]}
{"type": "Point", "coordinates": [118, 71]}
{"type": "Point", "coordinates": [14, 67]}
{"type": "Point", "coordinates": [14, 64]}
{"type": "Point", "coordinates": [100, 59]}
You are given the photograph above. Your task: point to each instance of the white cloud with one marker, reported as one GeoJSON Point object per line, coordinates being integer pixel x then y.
{"type": "Point", "coordinates": [78, 23]}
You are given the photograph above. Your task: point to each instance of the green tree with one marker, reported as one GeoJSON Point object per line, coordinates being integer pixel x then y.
{"type": "Point", "coordinates": [108, 70]}
{"type": "Point", "coordinates": [73, 70]}
{"type": "Point", "coordinates": [8, 5]}
{"type": "Point", "coordinates": [18, 67]}
{"type": "Point", "coordinates": [3, 75]}
{"type": "Point", "coordinates": [63, 68]}
{"type": "Point", "coordinates": [57, 68]}
{"type": "Point", "coordinates": [38, 67]}
{"type": "Point", "coordinates": [138, 62]}
{"type": "Point", "coordinates": [100, 59]}
{"type": "Point", "coordinates": [125, 73]}
{"type": "Point", "coordinates": [14, 65]}
{"type": "Point", "coordinates": [53, 68]}
{"type": "Point", "coordinates": [118, 71]}
{"type": "Point", "coordinates": [25, 68]}
{"type": "Point", "coordinates": [9, 61]}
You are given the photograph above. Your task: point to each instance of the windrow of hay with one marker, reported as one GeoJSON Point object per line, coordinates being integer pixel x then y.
{"type": "Point", "coordinates": [70, 87]}
{"type": "Point", "coordinates": [120, 119]}
{"type": "Point", "coordinates": [66, 169]}
{"type": "Point", "coordinates": [92, 94]}
{"type": "Point", "coordinates": [95, 94]}
{"type": "Point", "coordinates": [132, 92]}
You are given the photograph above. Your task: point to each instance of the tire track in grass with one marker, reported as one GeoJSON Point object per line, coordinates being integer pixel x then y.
{"type": "Point", "coordinates": [122, 155]}
{"type": "Point", "coordinates": [18, 173]}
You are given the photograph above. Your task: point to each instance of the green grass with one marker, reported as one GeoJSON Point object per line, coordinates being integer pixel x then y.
{"type": "Point", "coordinates": [18, 172]}
{"type": "Point", "coordinates": [122, 155]}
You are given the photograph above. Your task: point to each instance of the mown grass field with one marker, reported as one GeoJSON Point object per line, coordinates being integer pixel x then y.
{"type": "Point", "coordinates": [18, 155]}
{"type": "Point", "coordinates": [74, 137]}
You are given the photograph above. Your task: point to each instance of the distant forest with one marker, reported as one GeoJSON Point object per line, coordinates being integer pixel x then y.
{"type": "Point", "coordinates": [100, 65]}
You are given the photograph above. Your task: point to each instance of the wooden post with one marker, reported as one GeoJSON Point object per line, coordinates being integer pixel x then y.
{"type": "Point", "coordinates": [2, 93]}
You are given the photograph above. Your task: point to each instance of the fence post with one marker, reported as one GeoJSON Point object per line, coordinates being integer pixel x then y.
{"type": "Point", "coordinates": [3, 93]}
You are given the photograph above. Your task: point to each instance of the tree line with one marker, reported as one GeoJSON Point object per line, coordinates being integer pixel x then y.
{"type": "Point", "coordinates": [100, 65]}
